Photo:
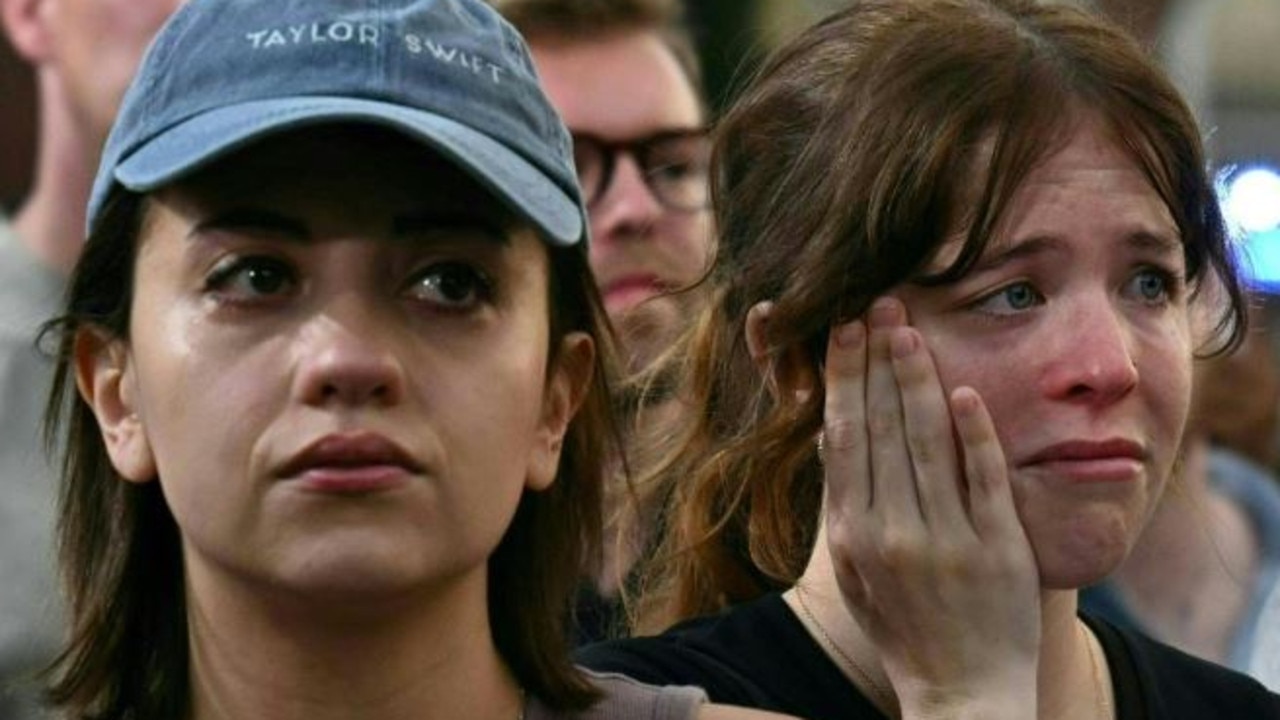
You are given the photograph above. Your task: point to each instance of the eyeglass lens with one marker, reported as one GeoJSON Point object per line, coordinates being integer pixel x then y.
{"type": "Point", "coordinates": [674, 166]}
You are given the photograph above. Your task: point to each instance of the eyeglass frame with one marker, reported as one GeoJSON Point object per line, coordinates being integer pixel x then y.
{"type": "Point", "coordinates": [639, 149]}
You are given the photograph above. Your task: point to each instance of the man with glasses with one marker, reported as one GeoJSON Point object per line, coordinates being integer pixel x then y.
{"type": "Point", "coordinates": [624, 76]}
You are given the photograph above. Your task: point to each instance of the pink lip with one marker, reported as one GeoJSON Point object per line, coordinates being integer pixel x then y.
{"type": "Point", "coordinates": [350, 463]}
{"type": "Point", "coordinates": [633, 288]}
{"type": "Point", "coordinates": [1114, 460]}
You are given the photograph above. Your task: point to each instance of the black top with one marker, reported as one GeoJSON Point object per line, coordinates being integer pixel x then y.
{"type": "Point", "coordinates": [759, 655]}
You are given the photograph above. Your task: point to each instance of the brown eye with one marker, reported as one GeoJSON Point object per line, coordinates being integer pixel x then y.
{"type": "Point", "coordinates": [251, 278]}
{"type": "Point", "coordinates": [452, 285]}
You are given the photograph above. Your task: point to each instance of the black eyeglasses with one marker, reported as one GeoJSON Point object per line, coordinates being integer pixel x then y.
{"type": "Point", "coordinates": [674, 164]}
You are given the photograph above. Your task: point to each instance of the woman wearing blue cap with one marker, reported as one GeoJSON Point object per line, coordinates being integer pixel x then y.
{"type": "Point", "coordinates": [333, 381]}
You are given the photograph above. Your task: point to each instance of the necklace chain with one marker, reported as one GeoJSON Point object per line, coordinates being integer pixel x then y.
{"type": "Point", "coordinates": [879, 694]}
{"type": "Point", "coordinates": [1104, 703]}
{"type": "Point", "coordinates": [883, 697]}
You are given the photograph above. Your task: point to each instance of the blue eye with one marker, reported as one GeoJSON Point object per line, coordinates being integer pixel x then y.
{"type": "Point", "coordinates": [1013, 298]}
{"type": "Point", "coordinates": [452, 285]}
{"type": "Point", "coordinates": [251, 278]}
{"type": "Point", "coordinates": [1153, 286]}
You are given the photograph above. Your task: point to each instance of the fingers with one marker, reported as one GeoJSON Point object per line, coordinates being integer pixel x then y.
{"type": "Point", "coordinates": [893, 487]}
{"type": "Point", "coordinates": [991, 504]}
{"type": "Point", "coordinates": [848, 475]}
{"type": "Point", "coordinates": [927, 425]}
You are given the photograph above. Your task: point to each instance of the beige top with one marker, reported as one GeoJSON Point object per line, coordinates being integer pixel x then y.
{"type": "Point", "coordinates": [627, 699]}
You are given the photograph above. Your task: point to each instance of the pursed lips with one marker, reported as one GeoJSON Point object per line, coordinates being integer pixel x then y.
{"type": "Point", "coordinates": [350, 462]}
{"type": "Point", "coordinates": [1109, 460]}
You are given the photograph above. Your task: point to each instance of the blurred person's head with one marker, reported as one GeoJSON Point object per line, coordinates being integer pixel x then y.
{"type": "Point", "coordinates": [92, 46]}
{"type": "Point", "coordinates": [84, 53]}
{"type": "Point", "coordinates": [1236, 397]}
{"type": "Point", "coordinates": [624, 76]}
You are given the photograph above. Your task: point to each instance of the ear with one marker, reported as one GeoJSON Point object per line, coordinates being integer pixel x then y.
{"type": "Point", "coordinates": [789, 372]}
{"type": "Point", "coordinates": [567, 386]}
{"type": "Point", "coordinates": [107, 383]}
{"type": "Point", "coordinates": [26, 22]}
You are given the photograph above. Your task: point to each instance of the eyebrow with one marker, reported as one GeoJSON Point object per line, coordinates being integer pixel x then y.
{"type": "Point", "coordinates": [1047, 244]}
{"type": "Point", "coordinates": [254, 220]}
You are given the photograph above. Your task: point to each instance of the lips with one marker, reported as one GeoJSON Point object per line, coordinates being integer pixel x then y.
{"type": "Point", "coordinates": [351, 462]}
{"type": "Point", "coordinates": [1111, 460]}
{"type": "Point", "coordinates": [631, 289]}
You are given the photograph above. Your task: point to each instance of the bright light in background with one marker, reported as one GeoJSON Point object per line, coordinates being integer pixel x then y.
{"type": "Point", "coordinates": [1252, 201]}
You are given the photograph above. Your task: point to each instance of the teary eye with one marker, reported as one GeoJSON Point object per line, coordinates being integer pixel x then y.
{"type": "Point", "coordinates": [250, 278]}
{"type": "Point", "coordinates": [1012, 298]}
{"type": "Point", "coordinates": [452, 285]}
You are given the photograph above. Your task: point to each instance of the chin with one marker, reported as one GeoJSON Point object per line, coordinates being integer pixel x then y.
{"type": "Point", "coordinates": [1078, 560]}
{"type": "Point", "coordinates": [367, 572]}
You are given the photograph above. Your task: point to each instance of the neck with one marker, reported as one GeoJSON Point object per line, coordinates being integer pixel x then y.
{"type": "Point", "coordinates": [283, 655]}
{"type": "Point", "coordinates": [1188, 577]}
{"type": "Point", "coordinates": [50, 222]}
{"type": "Point", "coordinates": [1067, 683]}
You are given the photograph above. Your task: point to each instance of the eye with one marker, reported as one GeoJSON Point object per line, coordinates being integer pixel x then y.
{"type": "Point", "coordinates": [452, 285]}
{"type": "Point", "coordinates": [1013, 298]}
{"type": "Point", "coordinates": [1153, 286]}
{"type": "Point", "coordinates": [250, 278]}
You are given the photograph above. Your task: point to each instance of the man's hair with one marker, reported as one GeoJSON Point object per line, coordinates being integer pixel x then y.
{"type": "Point", "coordinates": [571, 20]}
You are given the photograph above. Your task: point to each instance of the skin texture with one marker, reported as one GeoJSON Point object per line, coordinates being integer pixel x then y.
{"type": "Point", "coordinates": [622, 87]}
{"type": "Point", "coordinates": [947, 535]}
{"type": "Point", "coordinates": [323, 286]}
{"type": "Point", "coordinates": [1102, 350]}
{"type": "Point", "coordinates": [355, 338]}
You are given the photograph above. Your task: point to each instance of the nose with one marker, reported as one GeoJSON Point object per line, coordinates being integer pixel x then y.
{"type": "Point", "coordinates": [628, 209]}
{"type": "Point", "coordinates": [345, 358]}
{"type": "Point", "coordinates": [1092, 358]}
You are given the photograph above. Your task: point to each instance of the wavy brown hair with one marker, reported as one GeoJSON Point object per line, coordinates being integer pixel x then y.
{"type": "Point", "coordinates": [849, 157]}
{"type": "Point", "coordinates": [120, 548]}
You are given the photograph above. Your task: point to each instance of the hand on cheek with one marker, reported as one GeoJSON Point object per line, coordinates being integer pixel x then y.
{"type": "Point", "coordinates": [929, 552]}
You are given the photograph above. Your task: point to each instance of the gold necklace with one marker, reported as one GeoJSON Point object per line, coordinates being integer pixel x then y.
{"type": "Point", "coordinates": [1104, 703]}
{"type": "Point", "coordinates": [881, 696]}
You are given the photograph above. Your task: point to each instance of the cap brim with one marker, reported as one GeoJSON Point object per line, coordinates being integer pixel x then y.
{"type": "Point", "coordinates": [204, 138]}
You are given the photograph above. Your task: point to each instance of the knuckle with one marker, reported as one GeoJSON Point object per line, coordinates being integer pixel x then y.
{"type": "Point", "coordinates": [881, 421]}
{"type": "Point", "coordinates": [897, 549]}
{"type": "Point", "coordinates": [840, 433]}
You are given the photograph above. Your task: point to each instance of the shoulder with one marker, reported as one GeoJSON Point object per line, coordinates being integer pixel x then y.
{"type": "Point", "coordinates": [715, 652]}
{"type": "Point", "coordinates": [623, 698]}
{"type": "Point", "coordinates": [1160, 681]}
{"type": "Point", "coordinates": [756, 655]}
{"type": "Point", "coordinates": [29, 292]}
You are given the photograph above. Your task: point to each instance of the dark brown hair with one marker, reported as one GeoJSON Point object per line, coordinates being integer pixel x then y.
{"type": "Point", "coordinates": [120, 549]}
{"type": "Point", "coordinates": [848, 159]}
{"type": "Point", "coordinates": [575, 20]}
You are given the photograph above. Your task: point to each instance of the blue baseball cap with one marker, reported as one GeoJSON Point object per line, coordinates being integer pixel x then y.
{"type": "Point", "coordinates": [451, 74]}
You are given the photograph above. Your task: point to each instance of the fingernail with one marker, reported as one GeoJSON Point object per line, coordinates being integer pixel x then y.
{"type": "Point", "coordinates": [850, 334]}
{"type": "Point", "coordinates": [964, 401]}
{"type": "Point", "coordinates": [902, 343]}
{"type": "Point", "coordinates": [884, 312]}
